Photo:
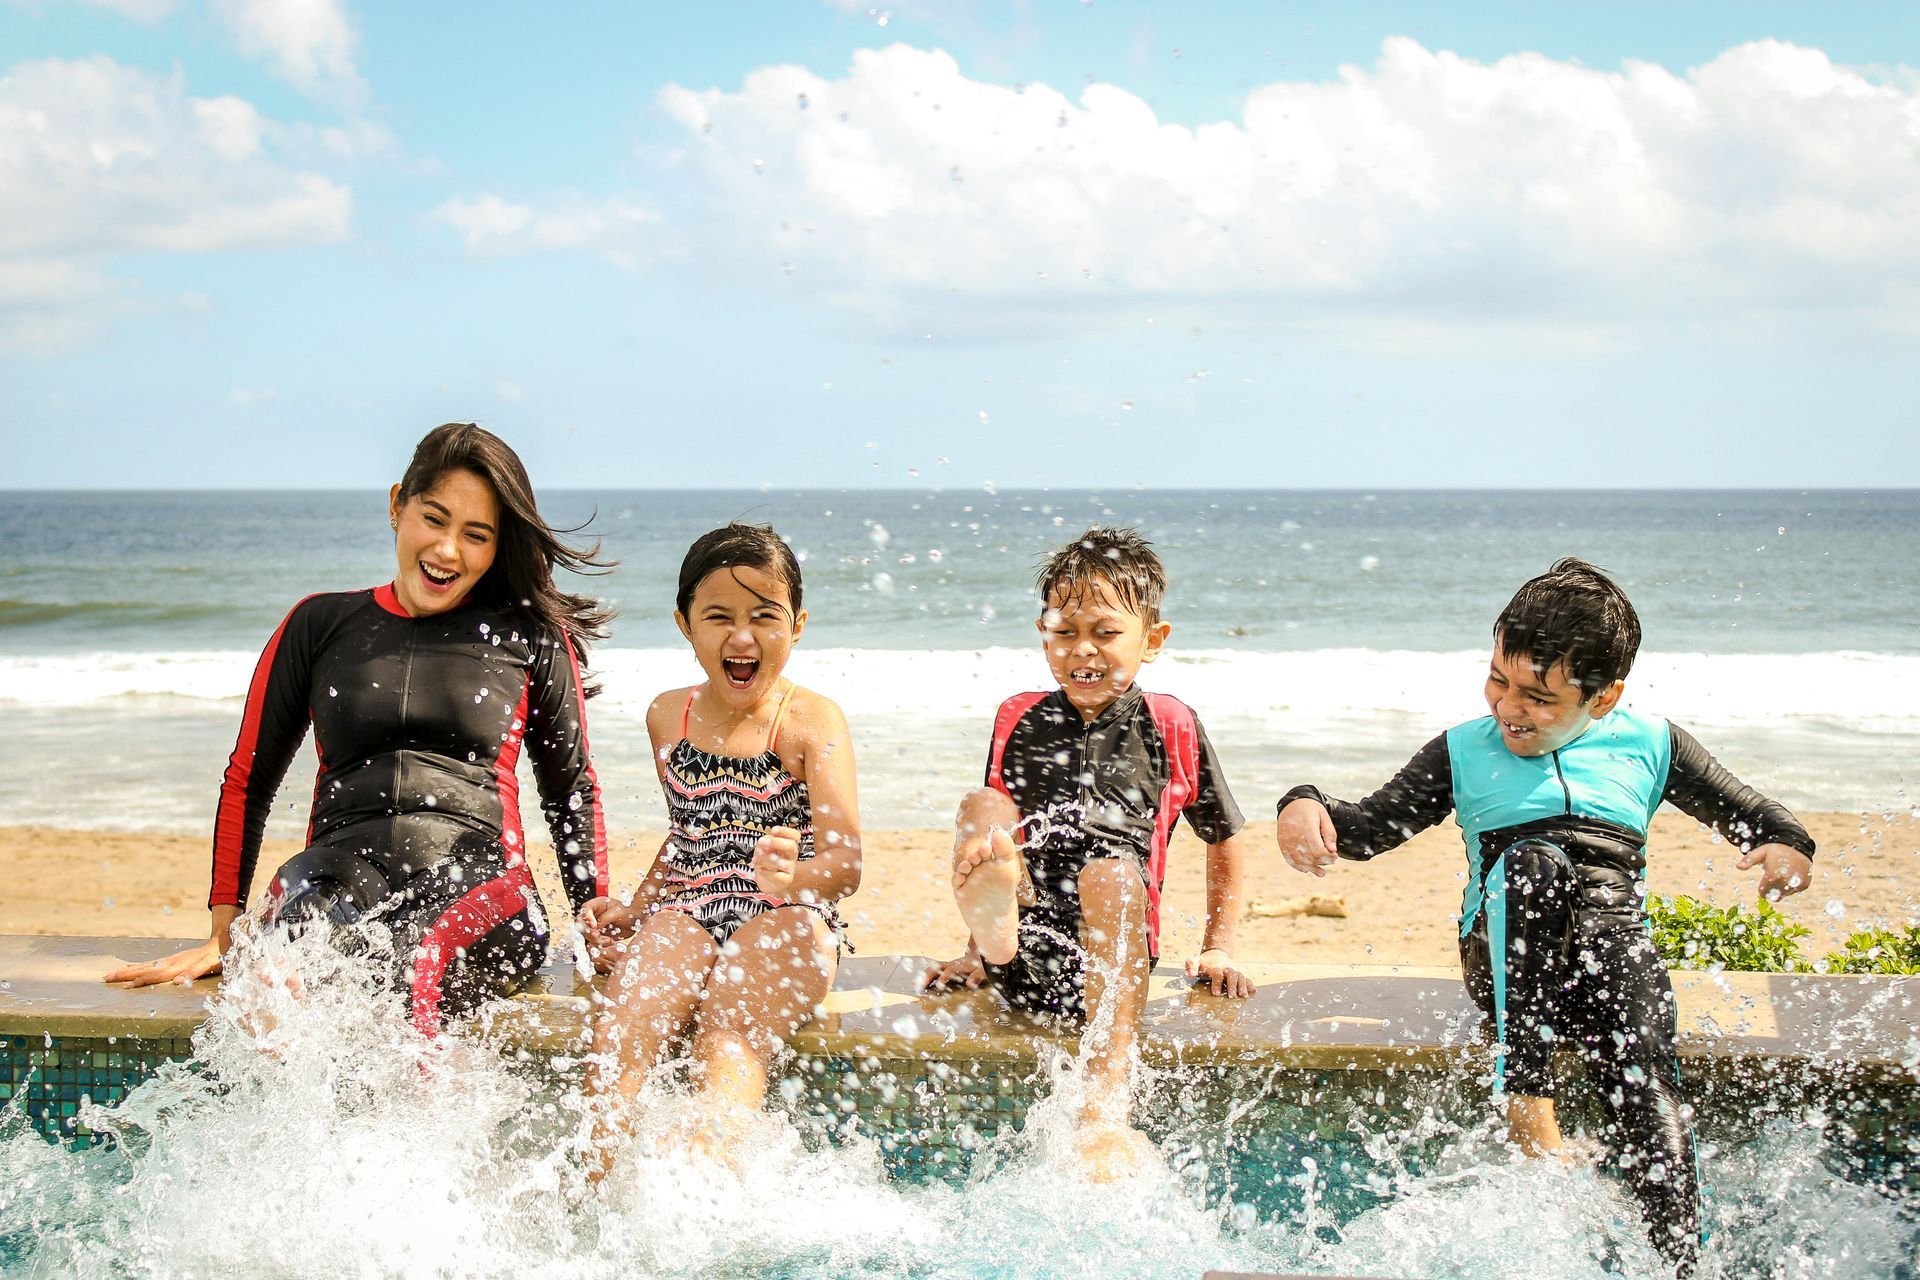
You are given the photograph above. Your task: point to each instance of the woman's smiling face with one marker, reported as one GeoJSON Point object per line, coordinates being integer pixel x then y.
{"type": "Point", "coordinates": [742, 630]}
{"type": "Point", "coordinates": [444, 541]}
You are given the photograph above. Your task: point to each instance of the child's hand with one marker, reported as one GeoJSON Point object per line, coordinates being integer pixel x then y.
{"type": "Point", "coordinates": [774, 860]}
{"type": "Point", "coordinates": [1215, 968]}
{"type": "Point", "coordinates": [1307, 839]}
{"type": "Point", "coordinates": [607, 923]}
{"type": "Point", "coordinates": [1783, 870]}
{"type": "Point", "coordinates": [967, 971]}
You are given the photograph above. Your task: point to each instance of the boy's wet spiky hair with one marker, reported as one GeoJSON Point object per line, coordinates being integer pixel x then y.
{"type": "Point", "coordinates": [1572, 613]}
{"type": "Point", "coordinates": [1117, 558]}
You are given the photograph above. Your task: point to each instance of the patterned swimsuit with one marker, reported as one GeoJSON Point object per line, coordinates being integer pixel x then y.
{"type": "Point", "coordinates": [718, 807]}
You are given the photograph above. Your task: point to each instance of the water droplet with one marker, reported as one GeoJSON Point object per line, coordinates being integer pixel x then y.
{"type": "Point", "coordinates": [880, 536]}
{"type": "Point", "coordinates": [883, 583]}
{"type": "Point", "coordinates": [1369, 563]}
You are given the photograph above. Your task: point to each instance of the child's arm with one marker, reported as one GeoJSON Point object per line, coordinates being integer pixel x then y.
{"type": "Point", "coordinates": [605, 919]}
{"type": "Point", "coordinates": [1314, 828]}
{"type": "Point", "coordinates": [1215, 818]}
{"type": "Point", "coordinates": [1767, 833]}
{"type": "Point", "coordinates": [1224, 905]}
{"type": "Point", "coordinates": [818, 748]}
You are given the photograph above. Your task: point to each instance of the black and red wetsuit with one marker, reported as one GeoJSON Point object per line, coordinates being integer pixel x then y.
{"type": "Point", "coordinates": [1110, 787]}
{"type": "Point", "coordinates": [418, 723]}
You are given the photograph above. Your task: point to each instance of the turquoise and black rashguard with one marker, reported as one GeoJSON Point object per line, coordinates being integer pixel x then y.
{"type": "Point", "coordinates": [419, 724]}
{"type": "Point", "coordinates": [1553, 938]}
{"type": "Point", "coordinates": [1598, 792]}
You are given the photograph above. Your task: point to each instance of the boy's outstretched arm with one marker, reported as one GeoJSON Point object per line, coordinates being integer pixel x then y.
{"type": "Point", "coordinates": [1765, 831]}
{"type": "Point", "coordinates": [1225, 901]}
{"type": "Point", "coordinates": [1314, 828]}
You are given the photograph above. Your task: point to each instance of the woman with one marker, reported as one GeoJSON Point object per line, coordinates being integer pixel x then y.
{"type": "Point", "coordinates": [422, 695]}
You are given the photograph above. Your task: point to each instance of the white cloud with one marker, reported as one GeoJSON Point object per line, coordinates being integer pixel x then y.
{"type": "Point", "coordinates": [312, 43]}
{"type": "Point", "coordinates": [149, 12]}
{"type": "Point", "coordinates": [1428, 185]}
{"type": "Point", "coordinates": [98, 159]}
{"type": "Point", "coordinates": [622, 228]}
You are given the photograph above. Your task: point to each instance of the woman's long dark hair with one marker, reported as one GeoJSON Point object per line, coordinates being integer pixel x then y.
{"type": "Point", "coordinates": [526, 548]}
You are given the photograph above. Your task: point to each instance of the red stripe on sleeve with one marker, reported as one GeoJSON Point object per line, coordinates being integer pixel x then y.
{"type": "Point", "coordinates": [1178, 731]}
{"type": "Point", "coordinates": [1012, 711]}
{"type": "Point", "coordinates": [586, 752]}
{"type": "Point", "coordinates": [230, 818]}
{"type": "Point", "coordinates": [507, 783]}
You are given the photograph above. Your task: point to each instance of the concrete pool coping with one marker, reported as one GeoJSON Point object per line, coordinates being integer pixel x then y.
{"type": "Point", "coordinates": [1305, 1016]}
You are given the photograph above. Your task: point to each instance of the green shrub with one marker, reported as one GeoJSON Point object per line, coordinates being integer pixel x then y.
{"type": "Point", "coordinates": [1691, 934]}
{"type": "Point", "coordinates": [1878, 951]}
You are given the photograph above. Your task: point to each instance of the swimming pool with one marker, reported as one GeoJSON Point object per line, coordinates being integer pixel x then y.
{"type": "Point", "coordinates": [350, 1153]}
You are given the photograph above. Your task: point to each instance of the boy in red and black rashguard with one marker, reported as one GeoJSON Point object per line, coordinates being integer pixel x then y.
{"type": "Point", "coordinates": [419, 723]}
{"type": "Point", "coordinates": [1059, 859]}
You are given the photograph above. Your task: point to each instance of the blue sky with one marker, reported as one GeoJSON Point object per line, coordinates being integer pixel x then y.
{"type": "Point", "coordinates": [267, 243]}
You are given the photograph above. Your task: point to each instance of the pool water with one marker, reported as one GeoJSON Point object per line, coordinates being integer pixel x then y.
{"type": "Point", "coordinates": [336, 1143]}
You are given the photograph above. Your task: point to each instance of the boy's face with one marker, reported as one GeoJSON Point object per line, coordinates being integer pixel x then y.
{"type": "Point", "coordinates": [1540, 712]}
{"type": "Point", "coordinates": [1096, 645]}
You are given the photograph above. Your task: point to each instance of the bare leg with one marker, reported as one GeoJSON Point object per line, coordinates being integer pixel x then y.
{"type": "Point", "coordinates": [1532, 1125]}
{"type": "Point", "coordinates": [988, 872]}
{"type": "Point", "coordinates": [650, 1002]}
{"type": "Point", "coordinates": [759, 995]}
{"type": "Point", "coordinates": [1113, 928]}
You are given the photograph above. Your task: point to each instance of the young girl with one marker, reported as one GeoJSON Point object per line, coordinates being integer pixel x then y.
{"type": "Point", "coordinates": [728, 944]}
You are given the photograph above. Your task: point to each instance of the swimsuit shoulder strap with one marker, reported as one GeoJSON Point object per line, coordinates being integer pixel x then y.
{"type": "Point", "coordinates": [780, 716]}
{"type": "Point", "coordinates": [686, 712]}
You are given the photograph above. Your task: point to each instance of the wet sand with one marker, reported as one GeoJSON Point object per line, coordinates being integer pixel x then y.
{"type": "Point", "coordinates": [1400, 908]}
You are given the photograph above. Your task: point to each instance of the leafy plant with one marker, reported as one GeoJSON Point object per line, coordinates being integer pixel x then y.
{"type": "Point", "coordinates": [1890, 951]}
{"type": "Point", "coordinates": [1691, 934]}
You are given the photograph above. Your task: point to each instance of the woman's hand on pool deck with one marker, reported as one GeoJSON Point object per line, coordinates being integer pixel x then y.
{"type": "Point", "coordinates": [1783, 869]}
{"type": "Point", "coordinates": [183, 966]}
{"type": "Point", "coordinates": [774, 860]}
{"type": "Point", "coordinates": [1215, 968]}
{"type": "Point", "coordinates": [1307, 837]}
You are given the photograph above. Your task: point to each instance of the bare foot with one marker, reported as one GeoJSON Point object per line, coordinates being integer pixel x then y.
{"type": "Point", "coordinates": [986, 884]}
{"type": "Point", "coordinates": [729, 1136]}
{"type": "Point", "coordinates": [1112, 1152]}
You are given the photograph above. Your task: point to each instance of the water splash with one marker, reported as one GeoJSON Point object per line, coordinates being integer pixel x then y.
{"type": "Point", "coordinates": [318, 1135]}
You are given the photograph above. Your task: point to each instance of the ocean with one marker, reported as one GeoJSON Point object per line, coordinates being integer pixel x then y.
{"type": "Point", "coordinates": [1321, 636]}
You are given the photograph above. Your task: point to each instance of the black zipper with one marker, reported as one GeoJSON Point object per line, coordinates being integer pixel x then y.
{"type": "Point", "coordinates": [1564, 788]}
{"type": "Point", "coordinates": [406, 700]}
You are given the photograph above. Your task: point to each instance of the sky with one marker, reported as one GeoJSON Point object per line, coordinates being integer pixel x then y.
{"type": "Point", "coordinates": [1060, 243]}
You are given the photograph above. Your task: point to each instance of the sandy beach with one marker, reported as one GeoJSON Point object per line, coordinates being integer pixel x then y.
{"type": "Point", "coordinates": [1399, 908]}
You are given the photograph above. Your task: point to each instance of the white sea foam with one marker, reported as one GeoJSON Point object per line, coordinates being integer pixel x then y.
{"type": "Point", "coordinates": [1862, 691]}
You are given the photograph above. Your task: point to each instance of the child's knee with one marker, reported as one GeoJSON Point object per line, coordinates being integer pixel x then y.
{"type": "Point", "coordinates": [985, 807]}
{"type": "Point", "coordinates": [1112, 883]}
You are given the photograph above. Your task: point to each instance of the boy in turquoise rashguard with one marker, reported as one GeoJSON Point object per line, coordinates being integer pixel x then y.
{"type": "Point", "coordinates": [1554, 791]}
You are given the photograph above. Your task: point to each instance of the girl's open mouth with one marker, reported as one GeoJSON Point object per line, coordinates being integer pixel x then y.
{"type": "Point", "coordinates": [1087, 677]}
{"type": "Point", "coordinates": [437, 579]}
{"type": "Point", "coordinates": [740, 671]}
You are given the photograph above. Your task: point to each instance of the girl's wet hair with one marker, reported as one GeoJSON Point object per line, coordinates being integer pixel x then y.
{"type": "Point", "coordinates": [739, 546]}
{"type": "Point", "coordinates": [1572, 613]}
{"type": "Point", "coordinates": [1118, 559]}
{"type": "Point", "coordinates": [526, 547]}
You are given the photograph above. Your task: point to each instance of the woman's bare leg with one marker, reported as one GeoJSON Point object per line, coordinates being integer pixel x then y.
{"type": "Point", "coordinates": [762, 990]}
{"type": "Point", "coordinates": [649, 1006]}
